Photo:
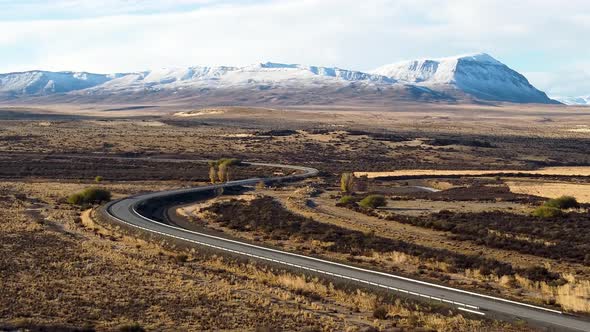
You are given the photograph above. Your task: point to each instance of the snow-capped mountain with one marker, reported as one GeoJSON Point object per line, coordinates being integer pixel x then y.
{"type": "Point", "coordinates": [478, 75]}
{"type": "Point", "coordinates": [579, 101]}
{"type": "Point", "coordinates": [44, 82]}
{"type": "Point", "coordinates": [471, 77]}
{"type": "Point", "coordinates": [263, 75]}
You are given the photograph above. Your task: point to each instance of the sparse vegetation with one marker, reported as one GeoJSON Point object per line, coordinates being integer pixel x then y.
{"type": "Point", "coordinates": [547, 212]}
{"type": "Point", "coordinates": [265, 295]}
{"type": "Point", "coordinates": [212, 172]}
{"type": "Point", "coordinates": [261, 215]}
{"type": "Point", "coordinates": [347, 182]}
{"type": "Point", "coordinates": [157, 282]}
{"type": "Point", "coordinates": [345, 200]}
{"type": "Point", "coordinates": [131, 328]}
{"type": "Point", "coordinates": [221, 170]}
{"type": "Point", "coordinates": [563, 203]}
{"type": "Point", "coordinates": [373, 201]}
{"type": "Point", "coordinates": [98, 179]}
{"type": "Point", "coordinates": [224, 172]}
{"type": "Point", "coordinates": [380, 311]}
{"type": "Point", "coordinates": [549, 233]}
{"type": "Point", "coordinates": [91, 195]}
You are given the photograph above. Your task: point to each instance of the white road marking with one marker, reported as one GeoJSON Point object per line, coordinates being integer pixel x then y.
{"type": "Point", "coordinates": [472, 311]}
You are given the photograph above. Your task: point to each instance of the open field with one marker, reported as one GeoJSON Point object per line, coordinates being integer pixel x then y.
{"type": "Point", "coordinates": [550, 189]}
{"type": "Point", "coordinates": [48, 153]}
{"type": "Point", "coordinates": [545, 171]}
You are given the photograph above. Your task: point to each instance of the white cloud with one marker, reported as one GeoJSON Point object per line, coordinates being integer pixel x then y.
{"type": "Point", "coordinates": [346, 33]}
{"type": "Point", "coordinates": [570, 80]}
{"type": "Point", "coordinates": [10, 9]}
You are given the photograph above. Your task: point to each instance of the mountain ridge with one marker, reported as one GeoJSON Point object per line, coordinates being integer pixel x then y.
{"type": "Point", "coordinates": [467, 77]}
{"type": "Point", "coordinates": [574, 101]}
{"type": "Point", "coordinates": [476, 74]}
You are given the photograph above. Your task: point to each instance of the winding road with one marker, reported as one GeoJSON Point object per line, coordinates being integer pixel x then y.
{"type": "Point", "coordinates": [130, 211]}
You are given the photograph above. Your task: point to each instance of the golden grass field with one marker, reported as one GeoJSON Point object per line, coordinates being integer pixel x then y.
{"type": "Point", "coordinates": [547, 171]}
{"type": "Point", "coordinates": [551, 189]}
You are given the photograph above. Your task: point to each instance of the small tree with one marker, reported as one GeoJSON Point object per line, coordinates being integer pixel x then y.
{"type": "Point", "coordinates": [222, 169]}
{"type": "Point", "coordinates": [223, 172]}
{"type": "Point", "coordinates": [98, 179]}
{"type": "Point", "coordinates": [347, 182]}
{"type": "Point", "coordinates": [212, 172]}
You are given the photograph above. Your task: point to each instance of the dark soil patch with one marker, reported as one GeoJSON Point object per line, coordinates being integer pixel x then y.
{"type": "Point", "coordinates": [477, 192]}
{"type": "Point", "coordinates": [561, 238]}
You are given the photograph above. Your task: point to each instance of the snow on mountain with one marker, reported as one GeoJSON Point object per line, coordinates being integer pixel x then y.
{"type": "Point", "coordinates": [44, 82]}
{"type": "Point", "coordinates": [479, 75]}
{"type": "Point", "coordinates": [476, 76]}
{"type": "Point", "coordinates": [579, 101]}
{"type": "Point", "coordinates": [263, 74]}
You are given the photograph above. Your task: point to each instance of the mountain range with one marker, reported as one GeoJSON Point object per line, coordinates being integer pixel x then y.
{"type": "Point", "coordinates": [579, 101]}
{"type": "Point", "coordinates": [475, 77]}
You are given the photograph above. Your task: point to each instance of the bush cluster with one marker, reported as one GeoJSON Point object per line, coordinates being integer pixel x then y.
{"type": "Point", "coordinates": [345, 200]}
{"type": "Point", "coordinates": [228, 162]}
{"type": "Point", "coordinates": [563, 203]}
{"type": "Point", "coordinates": [554, 207]}
{"type": "Point", "coordinates": [547, 212]}
{"type": "Point", "coordinates": [373, 201]}
{"type": "Point", "coordinates": [90, 196]}
{"type": "Point", "coordinates": [380, 312]}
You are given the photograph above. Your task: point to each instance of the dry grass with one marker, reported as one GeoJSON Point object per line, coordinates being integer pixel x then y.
{"type": "Point", "coordinates": [79, 273]}
{"type": "Point", "coordinates": [324, 210]}
{"type": "Point", "coordinates": [556, 171]}
{"type": "Point", "coordinates": [573, 296]}
{"type": "Point", "coordinates": [551, 189]}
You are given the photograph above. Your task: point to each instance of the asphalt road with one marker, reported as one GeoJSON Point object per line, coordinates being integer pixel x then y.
{"type": "Point", "coordinates": [125, 211]}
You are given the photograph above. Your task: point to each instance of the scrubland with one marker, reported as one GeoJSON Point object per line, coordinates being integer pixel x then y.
{"type": "Point", "coordinates": [63, 269]}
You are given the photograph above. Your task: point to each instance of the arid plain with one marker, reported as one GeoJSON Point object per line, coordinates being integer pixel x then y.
{"type": "Point", "coordinates": [462, 184]}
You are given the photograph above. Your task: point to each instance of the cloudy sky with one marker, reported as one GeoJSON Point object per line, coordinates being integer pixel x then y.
{"type": "Point", "coordinates": [548, 41]}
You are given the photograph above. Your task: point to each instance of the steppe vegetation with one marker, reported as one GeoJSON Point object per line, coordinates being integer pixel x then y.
{"type": "Point", "coordinates": [81, 273]}
{"type": "Point", "coordinates": [83, 276]}
{"type": "Point", "coordinates": [88, 196]}
{"type": "Point", "coordinates": [222, 170]}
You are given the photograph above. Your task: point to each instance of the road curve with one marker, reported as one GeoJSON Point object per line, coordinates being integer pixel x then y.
{"type": "Point", "coordinates": [125, 211]}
